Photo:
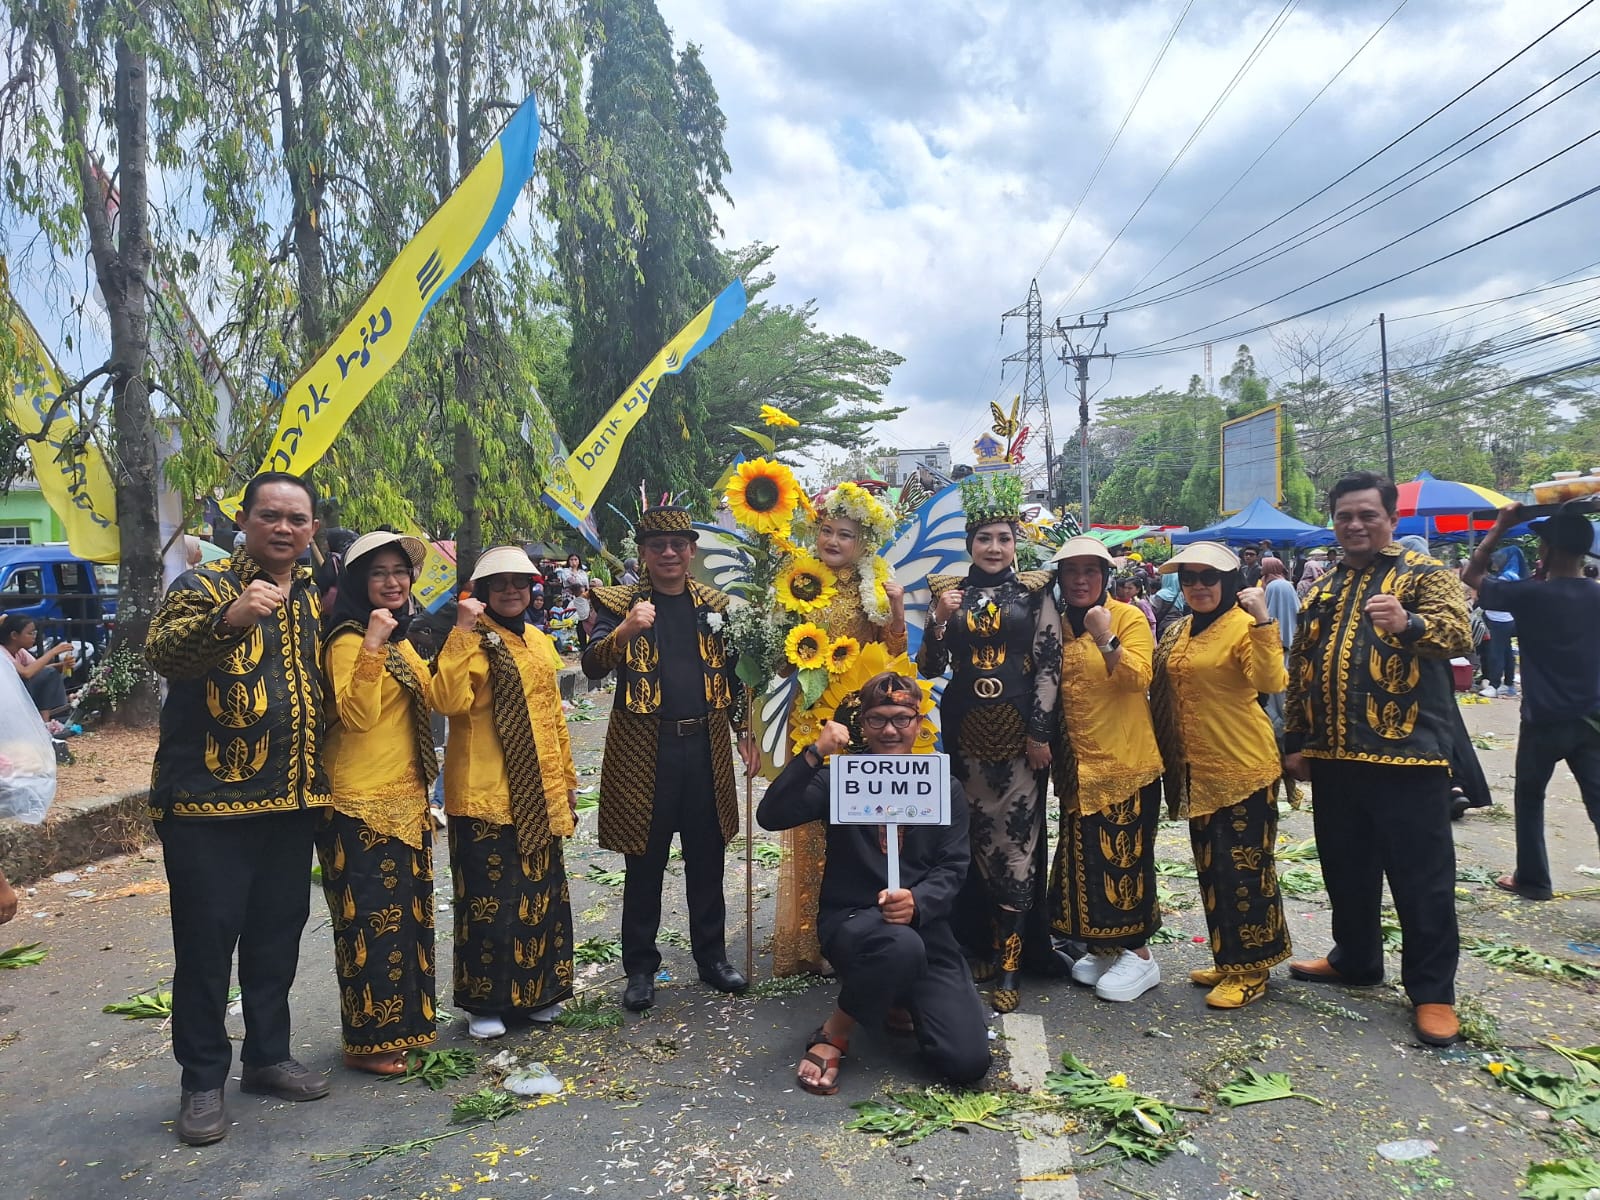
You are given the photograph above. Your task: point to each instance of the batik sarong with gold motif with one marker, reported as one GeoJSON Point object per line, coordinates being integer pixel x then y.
{"type": "Point", "coordinates": [1105, 872]}
{"type": "Point", "coordinates": [380, 897]}
{"type": "Point", "coordinates": [1233, 851]}
{"type": "Point", "coordinates": [513, 947]}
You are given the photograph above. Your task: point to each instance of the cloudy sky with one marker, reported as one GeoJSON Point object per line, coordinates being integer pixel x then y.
{"type": "Point", "coordinates": [918, 162]}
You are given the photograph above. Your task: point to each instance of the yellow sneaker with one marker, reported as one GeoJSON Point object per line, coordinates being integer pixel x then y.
{"type": "Point", "coordinates": [1235, 991]}
{"type": "Point", "coordinates": [1205, 977]}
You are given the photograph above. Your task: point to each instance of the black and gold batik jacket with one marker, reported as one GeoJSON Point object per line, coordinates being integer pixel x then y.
{"type": "Point", "coordinates": [994, 646]}
{"type": "Point", "coordinates": [628, 770]}
{"type": "Point", "coordinates": [241, 729]}
{"type": "Point", "coordinates": [1359, 694]}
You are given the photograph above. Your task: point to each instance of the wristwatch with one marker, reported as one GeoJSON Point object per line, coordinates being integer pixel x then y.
{"type": "Point", "coordinates": [1112, 646]}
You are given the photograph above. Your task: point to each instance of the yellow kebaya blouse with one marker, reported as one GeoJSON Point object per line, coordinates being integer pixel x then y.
{"type": "Point", "coordinates": [1224, 743]}
{"type": "Point", "coordinates": [372, 739]}
{"type": "Point", "coordinates": [1106, 714]}
{"type": "Point", "coordinates": [475, 780]}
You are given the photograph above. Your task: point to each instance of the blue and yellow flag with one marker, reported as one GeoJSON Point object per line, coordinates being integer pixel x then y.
{"type": "Point", "coordinates": [75, 483]}
{"type": "Point", "coordinates": [581, 476]}
{"type": "Point", "coordinates": [320, 401]}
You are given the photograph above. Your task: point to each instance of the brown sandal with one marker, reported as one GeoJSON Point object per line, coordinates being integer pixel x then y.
{"type": "Point", "coordinates": [819, 1037]}
{"type": "Point", "coordinates": [391, 1063]}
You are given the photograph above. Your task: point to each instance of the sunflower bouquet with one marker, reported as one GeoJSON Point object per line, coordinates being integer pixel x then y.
{"type": "Point", "coordinates": [772, 631]}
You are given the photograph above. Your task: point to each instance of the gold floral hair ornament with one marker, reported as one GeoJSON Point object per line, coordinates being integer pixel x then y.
{"type": "Point", "coordinates": [877, 519]}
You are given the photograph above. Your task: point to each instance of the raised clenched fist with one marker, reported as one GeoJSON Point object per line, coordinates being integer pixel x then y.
{"type": "Point", "coordinates": [261, 597]}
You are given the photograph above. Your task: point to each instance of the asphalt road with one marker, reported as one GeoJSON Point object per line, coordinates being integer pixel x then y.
{"type": "Point", "coordinates": [696, 1098]}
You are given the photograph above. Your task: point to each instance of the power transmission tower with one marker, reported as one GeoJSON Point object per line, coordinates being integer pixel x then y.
{"type": "Point", "coordinates": [1078, 347]}
{"type": "Point", "coordinates": [1035, 413]}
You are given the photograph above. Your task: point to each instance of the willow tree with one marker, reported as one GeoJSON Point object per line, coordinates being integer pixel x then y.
{"type": "Point", "coordinates": [99, 96]}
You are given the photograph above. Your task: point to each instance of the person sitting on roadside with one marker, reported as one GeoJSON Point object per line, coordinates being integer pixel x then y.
{"type": "Point", "coordinates": [41, 675]}
{"type": "Point", "coordinates": [888, 948]}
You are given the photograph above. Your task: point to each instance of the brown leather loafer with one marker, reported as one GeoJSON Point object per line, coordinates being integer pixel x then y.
{"type": "Point", "coordinates": [202, 1119]}
{"type": "Point", "coordinates": [1320, 970]}
{"type": "Point", "coordinates": [287, 1080]}
{"type": "Point", "coordinates": [1437, 1025]}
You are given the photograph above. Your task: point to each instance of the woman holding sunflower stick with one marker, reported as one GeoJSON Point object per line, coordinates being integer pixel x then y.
{"type": "Point", "coordinates": [1222, 763]}
{"type": "Point", "coordinates": [510, 788]}
{"type": "Point", "coordinates": [998, 634]}
{"type": "Point", "coordinates": [846, 599]}
{"type": "Point", "coordinates": [375, 841]}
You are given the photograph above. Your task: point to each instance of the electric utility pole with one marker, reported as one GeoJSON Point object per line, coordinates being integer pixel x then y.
{"type": "Point", "coordinates": [1388, 424]}
{"type": "Point", "coordinates": [1078, 347]}
{"type": "Point", "coordinates": [1035, 404]}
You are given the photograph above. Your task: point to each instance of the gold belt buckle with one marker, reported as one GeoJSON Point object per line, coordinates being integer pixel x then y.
{"type": "Point", "coordinates": [986, 687]}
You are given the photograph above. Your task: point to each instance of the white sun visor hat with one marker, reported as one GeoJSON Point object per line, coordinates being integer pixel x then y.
{"type": "Point", "coordinates": [1202, 554]}
{"type": "Point", "coordinates": [1082, 546]}
{"type": "Point", "coordinates": [504, 560]}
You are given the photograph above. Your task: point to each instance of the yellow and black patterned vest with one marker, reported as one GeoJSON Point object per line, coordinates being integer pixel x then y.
{"type": "Point", "coordinates": [639, 665]}
{"type": "Point", "coordinates": [241, 729]}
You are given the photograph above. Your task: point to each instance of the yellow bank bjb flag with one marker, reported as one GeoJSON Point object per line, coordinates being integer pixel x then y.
{"type": "Point", "coordinates": [581, 475]}
{"type": "Point", "coordinates": [75, 483]}
{"type": "Point", "coordinates": [318, 403]}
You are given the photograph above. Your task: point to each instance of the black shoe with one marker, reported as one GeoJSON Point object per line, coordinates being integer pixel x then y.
{"type": "Point", "coordinates": [640, 993]}
{"type": "Point", "coordinates": [722, 976]}
{"type": "Point", "coordinates": [202, 1119]}
{"type": "Point", "coordinates": [287, 1080]}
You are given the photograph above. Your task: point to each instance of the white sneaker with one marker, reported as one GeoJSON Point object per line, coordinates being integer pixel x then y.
{"type": "Point", "coordinates": [1508, 692]}
{"type": "Point", "coordinates": [1487, 689]}
{"type": "Point", "coordinates": [1088, 969]}
{"type": "Point", "coordinates": [480, 1026]}
{"type": "Point", "coordinates": [1129, 978]}
{"type": "Point", "coordinates": [547, 1014]}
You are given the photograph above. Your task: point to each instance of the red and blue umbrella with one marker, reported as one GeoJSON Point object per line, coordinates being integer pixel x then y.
{"type": "Point", "coordinates": [1448, 503]}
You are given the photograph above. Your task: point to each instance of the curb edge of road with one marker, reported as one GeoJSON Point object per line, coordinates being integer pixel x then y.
{"type": "Point", "coordinates": [78, 832]}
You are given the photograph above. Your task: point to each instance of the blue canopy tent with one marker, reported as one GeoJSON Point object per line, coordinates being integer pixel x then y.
{"type": "Point", "coordinates": [1256, 522]}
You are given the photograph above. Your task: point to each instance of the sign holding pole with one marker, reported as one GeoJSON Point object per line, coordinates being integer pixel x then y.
{"type": "Point", "coordinates": [890, 790]}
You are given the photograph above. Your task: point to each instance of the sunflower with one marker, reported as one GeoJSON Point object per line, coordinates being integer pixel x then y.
{"type": "Point", "coordinates": [872, 658]}
{"type": "Point", "coordinates": [806, 585]}
{"type": "Point", "coordinates": [776, 416]}
{"type": "Point", "coordinates": [762, 496]}
{"type": "Point", "coordinates": [807, 646]}
{"type": "Point", "coordinates": [842, 655]}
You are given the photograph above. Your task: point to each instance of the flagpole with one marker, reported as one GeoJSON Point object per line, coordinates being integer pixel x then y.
{"type": "Point", "coordinates": [749, 855]}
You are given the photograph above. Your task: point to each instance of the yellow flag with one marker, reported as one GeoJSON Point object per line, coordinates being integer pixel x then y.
{"type": "Point", "coordinates": [317, 405]}
{"type": "Point", "coordinates": [579, 477]}
{"type": "Point", "coordinates": [436, 581]}
{"type": "Point", "coordinates": [76, 484]}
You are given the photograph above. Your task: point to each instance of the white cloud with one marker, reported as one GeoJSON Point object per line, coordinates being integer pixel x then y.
{"type": "Point", "coordinates": [915, 162]}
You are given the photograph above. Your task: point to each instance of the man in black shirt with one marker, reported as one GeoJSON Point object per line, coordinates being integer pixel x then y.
{"type": "Point", "coordinates": [889, 948]}
{"type": "Point", "coordinates": [1558, 627]}
{"type": "Point", "coordinates": [668, 765]}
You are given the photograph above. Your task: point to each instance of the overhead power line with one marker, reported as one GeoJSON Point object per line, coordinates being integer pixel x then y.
{"type": "Point", "coordinates": [1374, 156]}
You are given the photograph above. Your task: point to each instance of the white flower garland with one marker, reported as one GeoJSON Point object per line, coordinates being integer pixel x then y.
{"type": "Point", "coordinates": [874, 599]}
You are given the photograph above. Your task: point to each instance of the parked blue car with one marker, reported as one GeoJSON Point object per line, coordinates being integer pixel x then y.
{"type": "Point", "coordinates": [70, 597]}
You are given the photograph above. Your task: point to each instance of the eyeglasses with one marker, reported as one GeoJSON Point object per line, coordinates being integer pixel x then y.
{"type": "Point", "coordinates": [510, 583]}
{"type": "Point", "coordinates": [878, 721]}
{"type": "Point", "coordinates": [399, 573]}
{"type": "Point", "coordinates": [662, 545]}
{"type": "Point", "coordinates": [1199, 578]}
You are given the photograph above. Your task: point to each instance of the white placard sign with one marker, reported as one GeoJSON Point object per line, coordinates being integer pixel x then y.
{"type": "Point", "coordinates": [890, 789]}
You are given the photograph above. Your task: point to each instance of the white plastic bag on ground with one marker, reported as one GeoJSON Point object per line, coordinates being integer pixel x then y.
{"type": "Point", "coordinates": [27, 757]}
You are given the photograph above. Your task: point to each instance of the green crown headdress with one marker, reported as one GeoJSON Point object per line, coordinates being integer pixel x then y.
{"type": "Point", "coordinates": [990, 496]}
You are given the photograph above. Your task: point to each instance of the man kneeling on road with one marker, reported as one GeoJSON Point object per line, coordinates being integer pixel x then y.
{"type": "Point", "coordinates": [889, 948]}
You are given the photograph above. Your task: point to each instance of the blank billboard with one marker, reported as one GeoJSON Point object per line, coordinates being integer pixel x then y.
{"type": "Point", "coordinates": [1251, 459]}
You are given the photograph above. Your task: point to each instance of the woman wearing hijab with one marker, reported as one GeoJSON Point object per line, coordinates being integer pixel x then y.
{"type": "Point", "coordinates": [1223, 765]}
{"type": "Point", "coordinates": [1314, 570]}
{"type": "Point", "coordinates": [998, 634]}
{"type": "Point", "coordinates": [375, 842]}
{"type": "Point", "coordinates": [511, 792]}
{"type": "Point", "coordinates": [1107, 774]}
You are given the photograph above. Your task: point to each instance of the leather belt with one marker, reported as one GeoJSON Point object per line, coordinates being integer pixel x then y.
{"type": "Point", "coordinates": [987, 687]}
{"type": "Point", "coordinates": [687, 727]}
